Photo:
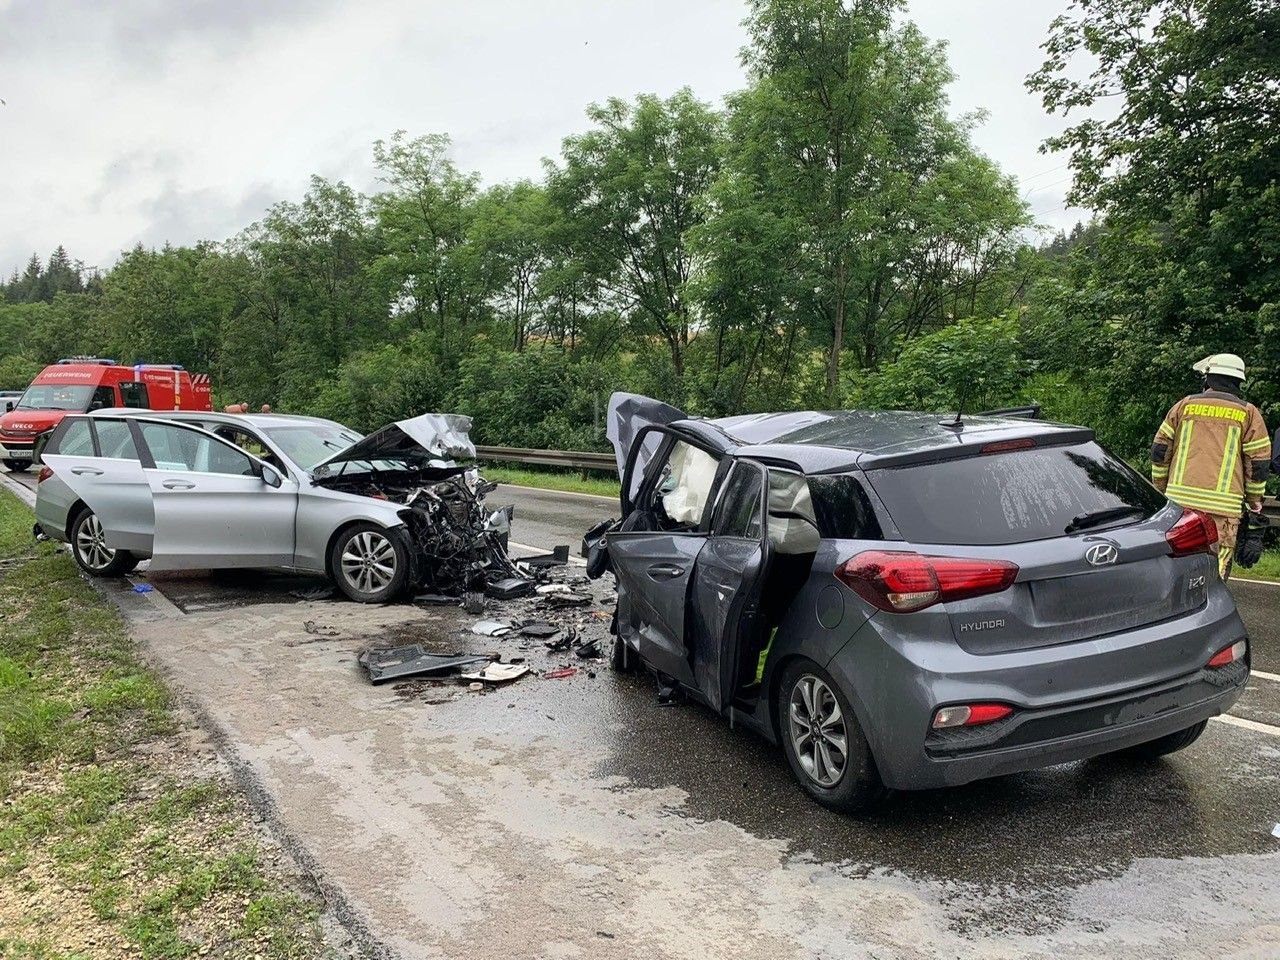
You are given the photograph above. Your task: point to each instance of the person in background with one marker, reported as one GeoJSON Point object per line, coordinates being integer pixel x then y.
{"type": "Point", "coordinates": [266, 408]}
{"type": "Point", "coordinates": [1212, 452]}
{"type": "Point", "coordinates": [241, 407]}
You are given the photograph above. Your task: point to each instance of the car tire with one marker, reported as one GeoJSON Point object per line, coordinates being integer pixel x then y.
{"type": "Point", "coordinates": [369, 563]}
{"type": "Point", "coordinates": [18, 466]}
{"type": "Point", "coordinates": [851, 786]}
{"type": "Point", "coordinates": [91, 553]}
{"type": "Point", "coordinates": [1170, 743]}
{"type": "Point", "coordinates": [622, 658]}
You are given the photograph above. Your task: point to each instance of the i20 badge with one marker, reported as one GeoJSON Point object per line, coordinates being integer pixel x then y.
{"type": "Point", "coordinates": [1101, 554]}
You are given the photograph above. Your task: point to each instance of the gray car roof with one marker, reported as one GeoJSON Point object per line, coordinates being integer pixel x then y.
{"type": "Point", "coordinates": [824, 441]}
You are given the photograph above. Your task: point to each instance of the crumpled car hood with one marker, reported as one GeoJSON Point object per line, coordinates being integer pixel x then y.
{"type": "Point", "coordinates": [432, 436]}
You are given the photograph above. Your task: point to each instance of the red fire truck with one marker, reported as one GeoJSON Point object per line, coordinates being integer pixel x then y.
{"type": "Point", "coordinates": [78, 384]}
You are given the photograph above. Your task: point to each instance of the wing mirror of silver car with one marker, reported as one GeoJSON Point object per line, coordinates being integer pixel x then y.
{"type": "Point", "coordinates": [271, 477]}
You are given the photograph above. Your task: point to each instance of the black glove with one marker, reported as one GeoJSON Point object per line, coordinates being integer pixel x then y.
{"type": "Point", "coordinates": [1253, 530]}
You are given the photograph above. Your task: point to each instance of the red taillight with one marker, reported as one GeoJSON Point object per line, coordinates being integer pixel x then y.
{"type": "Point", "coordinates": [44, 474]}
{"type": "Point", "coordinates": [905, 582]}
{"type": "Point", "coordinates": [1228, 655]}
{"type": "Point", "coordinates": [970, 715]}
{"type": "Point", "coordinates": [1194, 532]}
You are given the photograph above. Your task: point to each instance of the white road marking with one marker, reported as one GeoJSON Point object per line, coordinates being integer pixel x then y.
{"type": "Point", "coordinates": [1264, 583]}
{"type": "Point", "coordinates": [538, 551]}
{"type": "Point", "coordinates": [1265, 676]}
{"type": "Point", "coordinates": [1253, 725]}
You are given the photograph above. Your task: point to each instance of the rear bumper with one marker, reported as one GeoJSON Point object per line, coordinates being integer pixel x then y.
{"type": "Point", "coordinates": [1072, 701]}
{"type": "Point", "coordinates": [1040, 738]}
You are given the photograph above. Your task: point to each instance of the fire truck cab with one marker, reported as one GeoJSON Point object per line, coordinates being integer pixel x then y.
{"type": "Point", "coordinates": [80, 384]}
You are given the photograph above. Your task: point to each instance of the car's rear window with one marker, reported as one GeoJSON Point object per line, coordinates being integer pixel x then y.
{"type": "Point", "coordinates": [1012, 497]}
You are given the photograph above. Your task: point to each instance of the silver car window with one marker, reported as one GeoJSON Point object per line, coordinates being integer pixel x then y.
{"type": "Point", "coordinates": [179, 449]}
{"type": "Point", "coordinates": [115, 440]}
{"type": "Point", "coordinates": [77, 441]}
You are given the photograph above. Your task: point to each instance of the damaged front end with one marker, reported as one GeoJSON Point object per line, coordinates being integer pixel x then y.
{"type": "Point", "coordinates": [459, 544]}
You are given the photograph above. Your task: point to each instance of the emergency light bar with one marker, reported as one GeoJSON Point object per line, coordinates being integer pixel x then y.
{"type": "Point", "coordinates": [98, 360]}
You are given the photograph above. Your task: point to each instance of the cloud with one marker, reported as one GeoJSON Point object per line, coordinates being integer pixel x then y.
{"type": "Point", "coordinates": [155, 121]}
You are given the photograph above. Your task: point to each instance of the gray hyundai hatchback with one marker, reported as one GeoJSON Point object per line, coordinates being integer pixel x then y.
{"type": "Point", "coordinates": [907, 600]}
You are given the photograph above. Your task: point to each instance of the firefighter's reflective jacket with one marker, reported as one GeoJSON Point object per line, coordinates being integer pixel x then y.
{"type": "Point", "coordinates": [1211, 452]}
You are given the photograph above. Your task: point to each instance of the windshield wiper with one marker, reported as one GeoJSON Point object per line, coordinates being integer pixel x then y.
{"type": "Point", "coordinates": [1098, 517]}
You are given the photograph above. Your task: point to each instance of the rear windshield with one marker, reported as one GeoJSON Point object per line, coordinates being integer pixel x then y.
{"type": "Point", "coordinates": [1012, 497]}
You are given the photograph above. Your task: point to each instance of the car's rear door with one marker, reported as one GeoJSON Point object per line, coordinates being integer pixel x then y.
{"type": "Point", "coordinates": [97, 461]}
{"type": "Point", "coordinates": [212, 507]}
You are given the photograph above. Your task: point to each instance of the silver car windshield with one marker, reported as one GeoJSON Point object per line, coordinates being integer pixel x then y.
{"type": "Point", "coordinates": [308, 445]}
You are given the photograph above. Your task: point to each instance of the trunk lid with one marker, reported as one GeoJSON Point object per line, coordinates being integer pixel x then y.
{"type": "Point", "coordinates": [1113, 574]}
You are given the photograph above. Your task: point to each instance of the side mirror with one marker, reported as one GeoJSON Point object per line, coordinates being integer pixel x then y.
{"type": "Point", "coordinates": [271, 477]}
{"type": "Point", "coordinates": [8, 406]}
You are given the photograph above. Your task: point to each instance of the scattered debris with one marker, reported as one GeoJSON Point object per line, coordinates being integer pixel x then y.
{"type": "Point", "coordinates": [564, 641]}
{"type": "Point", "coordinates": [561, 674]}
{"type": "Point", "coordinates": [558, 557]}
{"type": "Point", "coordinates": [438, 599]}
{"type": "Point", "coordinates": [473, 601]}
{"type": "Point", "coordinates": [142, 588]}
{"type": "Point", "coordinates": [538, 629]}
{"type": "Point", "coordinates": [475, 686]}
{"type": "Point", "coordinates": [322, 592]}
{"type": "Point", "coordinates": [509, 588]}
{"type": "Point", "coordinates": [1275, 831]}
{"type": "Point", "coordinates": [319, 631]}
{"type": "Point", "coordinates": [588, 651]}
{"type": "Point", "coordinates": [549, 588]}
{"type": "Point", "coordinates": [498, 673]}
{"type": "Point", "coordinates": [490, 628]}
{"type": "Point", "coordinates": [411, 660]}
{"type": "Point", "coordinates": [562, 600]}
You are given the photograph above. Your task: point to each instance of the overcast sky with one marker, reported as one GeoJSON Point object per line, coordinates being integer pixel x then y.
{"type": "Point", "coordinates": [163, 120]}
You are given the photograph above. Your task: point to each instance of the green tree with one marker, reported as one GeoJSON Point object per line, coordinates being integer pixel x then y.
{"type": "Point", "coordinates": [845, 133]}
{"type": "Point", "coordinates": [1185, 178]}
{"type": "Point", "coordinates": [631, 188]}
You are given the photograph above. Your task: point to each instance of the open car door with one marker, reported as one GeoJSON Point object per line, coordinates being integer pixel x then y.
{"type": "Point", "coordinates": [655, 551]}
{"type": "Point", "coordinates": [728, 584]}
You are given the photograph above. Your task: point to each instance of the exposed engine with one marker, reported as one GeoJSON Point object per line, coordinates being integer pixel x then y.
{"type": "Point", "coordinates": [461, 545]}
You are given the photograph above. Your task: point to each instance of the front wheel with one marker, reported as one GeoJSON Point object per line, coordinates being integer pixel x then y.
{"type": "Point", "coordinates": [824, 744]}
{"type": "Point", "coordinates": [18, 466]}
{"type": "Point", "coordinates": [369, 563]}
{"type": "Point", "coordinates": [89, 547]}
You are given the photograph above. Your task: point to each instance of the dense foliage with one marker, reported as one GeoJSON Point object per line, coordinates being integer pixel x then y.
{"type": "Point", "coordinates": [831, 237]}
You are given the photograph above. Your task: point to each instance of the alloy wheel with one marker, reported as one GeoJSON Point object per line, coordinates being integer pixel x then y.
{"type": "Point", "coordinates": [91, 543]}
{"type": "Point", "coordinates": [369, 561]}
{"type": "Point", "coordinates": [817, 729]}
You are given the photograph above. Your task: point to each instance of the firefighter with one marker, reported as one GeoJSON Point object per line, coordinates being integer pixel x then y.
{"type": "Point", "coordinates": [1213, 453]}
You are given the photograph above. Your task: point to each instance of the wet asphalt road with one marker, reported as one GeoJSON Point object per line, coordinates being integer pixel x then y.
{"type": "Point", "coordinates": [1004, 856]}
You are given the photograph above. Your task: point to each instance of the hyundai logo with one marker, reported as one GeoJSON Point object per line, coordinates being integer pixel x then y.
{"type": "Point", "coordinates": [1101, 554]}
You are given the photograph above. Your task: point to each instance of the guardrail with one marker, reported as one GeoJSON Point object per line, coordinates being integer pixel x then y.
{"type": "Point", "coordinates": [565, 459]}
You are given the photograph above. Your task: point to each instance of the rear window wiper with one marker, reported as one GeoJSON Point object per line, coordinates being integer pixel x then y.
{"type": "Point", "coordinates": [1098, 517]}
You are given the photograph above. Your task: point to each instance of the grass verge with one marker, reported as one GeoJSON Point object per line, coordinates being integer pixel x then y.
{"type": "Point", "coordinates": [596, 483]}
{"type": "Point", "coordinates": [119, 834]}
{"type": "Point", "coordinates": [1268, 568]}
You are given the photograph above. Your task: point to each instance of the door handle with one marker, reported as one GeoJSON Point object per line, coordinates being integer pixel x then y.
{"type": "Point", "coordinates": [665, 571]}
{"type": "Point", "coordinates": [178, 485]}
{"type": "Point", "coordinates": [86, 472]}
